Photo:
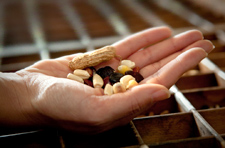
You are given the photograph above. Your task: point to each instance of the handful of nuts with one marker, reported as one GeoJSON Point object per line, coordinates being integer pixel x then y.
{"type": "Point", "coordinates": [112, 81]}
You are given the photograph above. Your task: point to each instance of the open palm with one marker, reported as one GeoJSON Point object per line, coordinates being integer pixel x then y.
{"type": "Point", "coordinates": [71, 105]}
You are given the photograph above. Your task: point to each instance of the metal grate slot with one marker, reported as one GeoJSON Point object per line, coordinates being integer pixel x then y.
{"type": "Point", "coordinates": [112, 17]}
{"type": "Point", "coordinates": [76, 23]}
{"type": "Point", "coordinates": [147, 14]}
{"type": "Point", "coordinates": [15, 23]}
{"type": "Point", "coordinates": [1, 30]}
{"type": "Point", "coordinates": [129, 16]}
{"type": "Point", "coordinates": [36, 28]}
{"type": "Point", "coordinates": [54, 22]}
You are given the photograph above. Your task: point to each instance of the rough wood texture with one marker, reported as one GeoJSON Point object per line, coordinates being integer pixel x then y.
{"type": "Point", "coordinates": [164, 128]}
{"type": "Point", "coordinates": [215, 118]}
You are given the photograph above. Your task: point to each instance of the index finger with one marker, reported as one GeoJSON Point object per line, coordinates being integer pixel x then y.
{"type": "Point", "coordinates": [131, 44]}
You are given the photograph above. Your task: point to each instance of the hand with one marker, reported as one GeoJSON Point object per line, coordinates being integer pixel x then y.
{"type": "Point", "coordinates": [57, 101]}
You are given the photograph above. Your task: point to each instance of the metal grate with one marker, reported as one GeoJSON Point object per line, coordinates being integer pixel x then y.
{"type": "Point", "coordinates": [42, 29]}
{"type": "Point", "coordinates": [31, 30]}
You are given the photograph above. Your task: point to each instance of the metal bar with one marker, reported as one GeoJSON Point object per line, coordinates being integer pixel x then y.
{"type": "Point", "coordinates": [204, 127]}
{"type": "Point", "coordinates": [1, 29]}
{"type": "Point", "coordinates": [19, 134]}
{"type": "Point", "coordinates": [36, 28]}
{"type": "Point", "coordinates": [112, 16]}
{"type": "Point", "coordinates": [220, 34]}
{"type": "Point", "coordinates": [149, 16]}
{"type": "Point", "coordinates": [186, 106]}
{"type": "Point", "coordinates": [75, 20]}
{"type": "Point", "coordinates": [204, 124]}
{"type": "Point", "coordinates": [213, 67]}
{"type": "Point", "coordinates": [139, 138]}
{"type": "Point", "coordinates": [26, 49]}
{"type": "Point", "coordinates": [216, 6]}
{"type": "Point", "coordinates": [178, 9]}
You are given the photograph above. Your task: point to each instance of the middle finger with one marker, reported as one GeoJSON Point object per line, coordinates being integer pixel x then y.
{"type": "Point", "coordinates": [152, 68]}
{"type": "Point", "coordinates": [165, 48]}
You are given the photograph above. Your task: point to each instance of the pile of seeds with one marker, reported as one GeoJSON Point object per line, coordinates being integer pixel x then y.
{"type": "Point", "coordinates": [112, 81]}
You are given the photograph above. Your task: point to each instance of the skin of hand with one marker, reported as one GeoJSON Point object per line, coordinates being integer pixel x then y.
{"type": "Point", "coordinates": [41, 95]}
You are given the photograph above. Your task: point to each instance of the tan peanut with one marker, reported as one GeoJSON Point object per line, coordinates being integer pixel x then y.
{"type": "Point", "coordinates": [74, 77]}
{"type": "Point", "coordinates": [94, 58]}
{"type": "Point", "coordinates": [118, 88]}
{"type": "Point", "coordinates": [125, 80]}
{"type": "Point", "coordinates": [97, 81]}
{"type": "Point", "coordinates": [108, 90]}
{"type": "Point", "coordinates": [131, 84]}
{"type": "Point", "coordinates": [81, 73]}
{"type": "Point", "coordinates": [128, 63]}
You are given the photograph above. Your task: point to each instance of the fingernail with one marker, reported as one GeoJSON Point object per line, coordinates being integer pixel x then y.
{"type": "Point", "coordinates": [161, 95]}
{"type": "Point", "coordinates": [206, 53]}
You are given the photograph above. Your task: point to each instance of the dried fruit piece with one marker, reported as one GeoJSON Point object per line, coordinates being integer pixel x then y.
{"type": "Point", "coordinates": [136, 69]}
{"type": "Point", "coordinates": [128, 63]}
{"type": "Point", "coordinates": [106, 77]}
{"type": "Point", "coordinates": [125, 80]}
{"type": "Point", "coordinates": [118, 88]}
{"type": "Point", "coordinates": [92, 59]}
{"type": "Point", "coordinates": [105, 71]}
{"type": "Point", "coordinates": [97, 81]}
{"type": "Point", "coordinates": [106, 81]}
{"type": "Point", "coordinates": [108, 90]}
{"type": "Point", "coordinates": [138, 77]}
{"type": "Point", "coordinates": [74, 77]}
{"type": "Point", "coordinates": [115, 77]}
{"type": "Point", "coordinates": [123, 68]}
{"type": "Point", "coordinates": [91, 71]}
{"type": "Point", "coordinates": [131, 84]}
{"type": "Point", "coordinates": [88, 82]}
{"type": "Point", "coordinates": [81, 73]}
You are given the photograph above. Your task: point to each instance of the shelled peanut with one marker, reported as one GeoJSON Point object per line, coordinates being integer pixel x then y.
{"type": "Point", "coordinates": [112, 81]}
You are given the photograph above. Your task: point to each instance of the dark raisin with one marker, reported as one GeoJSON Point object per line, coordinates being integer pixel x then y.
{"type": "Point", "coordinates": [105, 71]}
{"type": "Point", "coordinates": [138, 77]}
{"type": "Point", "coordinates": [115, 77]}
{"type": "Point", "coordinates": [106, 81]}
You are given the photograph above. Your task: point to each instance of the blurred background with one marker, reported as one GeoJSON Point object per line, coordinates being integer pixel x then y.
{"type": "Point", "coordinates": [31, 30]}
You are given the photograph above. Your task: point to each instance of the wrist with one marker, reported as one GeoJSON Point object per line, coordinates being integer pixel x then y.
{"type": "Point", "coordinates": [15, 103]}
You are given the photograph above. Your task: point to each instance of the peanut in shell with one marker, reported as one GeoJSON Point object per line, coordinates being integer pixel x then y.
{"type": "Point", "coordinates": [92, 59]}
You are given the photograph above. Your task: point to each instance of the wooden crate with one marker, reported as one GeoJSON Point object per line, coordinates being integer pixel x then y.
{"type": "Point", "coordinates": [165, 124]}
